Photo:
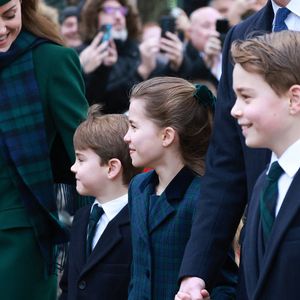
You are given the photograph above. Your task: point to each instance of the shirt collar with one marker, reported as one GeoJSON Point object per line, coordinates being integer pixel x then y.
{"type": "Point", "coordinates": [113, 207]}
{"type": "Point", "coordinates": [293, 6]}
{"type": "Point", "coordinates": [289, 160]}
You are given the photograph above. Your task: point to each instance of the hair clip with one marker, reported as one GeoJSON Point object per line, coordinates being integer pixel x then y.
{"type": "Point", "coordinates": [204, 96]}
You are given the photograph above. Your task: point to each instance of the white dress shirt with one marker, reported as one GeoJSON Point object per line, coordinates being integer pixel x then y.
{"type": "Point", "coordinates": [293, 19]}
{"type": "Point", "coordinates": [290, 163]}
{"type": "Point", "coordinates": [111, 209]}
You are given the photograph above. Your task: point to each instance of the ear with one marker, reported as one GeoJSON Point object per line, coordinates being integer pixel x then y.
{"type": "Point", "coordinates": [294, 92]}
{"type": "Point", "coordinates": [114, 168]}
{"type": "Point", "coordinates": [168, 136]}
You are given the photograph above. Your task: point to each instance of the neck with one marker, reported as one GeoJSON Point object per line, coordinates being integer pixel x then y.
{"type": "Point", "coordinates": [113, 190]}
{"type": "Point", "coordinates": [166, 173]}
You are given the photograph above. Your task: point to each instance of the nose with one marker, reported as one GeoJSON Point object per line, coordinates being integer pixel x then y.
{"type": "Point", "coordinates": [127, 137]}
{"type": "Point", "coordinates": [73, 168]}
{"type": "Point", "coordinates": [2, 27]}
{"type": "Point", "coordinates": [236, 110]}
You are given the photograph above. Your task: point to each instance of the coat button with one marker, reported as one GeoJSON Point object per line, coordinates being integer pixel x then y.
{"type": "Point", "coordinates": [147, 273]}
{"type": "Point", "coordinates": [82, 285]}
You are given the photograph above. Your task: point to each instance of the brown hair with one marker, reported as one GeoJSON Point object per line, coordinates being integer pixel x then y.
{"type": "Point", "coordinates": [104, 134]}
{"type": "Point", "coordinates": [38, 24]}
{"type": "Point", "coordinates": [89, 19]}
{"type": "Point", "coordinates": [274, 56]}
{"type": "Point", "coordinates": [170, 101]}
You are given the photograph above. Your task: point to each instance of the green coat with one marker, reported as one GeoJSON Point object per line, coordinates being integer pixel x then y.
{"type": "Point", "coordinates": [61, 87]}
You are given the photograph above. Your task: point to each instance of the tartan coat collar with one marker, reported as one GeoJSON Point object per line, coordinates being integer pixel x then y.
{"type": "Point", "coordinates": [174, 192]}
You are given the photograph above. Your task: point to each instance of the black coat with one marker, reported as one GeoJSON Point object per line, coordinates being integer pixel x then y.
{"type": "Point", "coordinates": [231, 170]}
{"type": "Point", "coordinates": [105, 274]}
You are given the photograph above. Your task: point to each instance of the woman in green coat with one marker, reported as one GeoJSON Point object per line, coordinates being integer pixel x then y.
{"type": "Point", "coordinates": [41, 98]}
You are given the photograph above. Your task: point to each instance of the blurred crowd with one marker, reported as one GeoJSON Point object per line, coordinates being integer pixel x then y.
{"type": "Point", "coordinates": [117, 49]}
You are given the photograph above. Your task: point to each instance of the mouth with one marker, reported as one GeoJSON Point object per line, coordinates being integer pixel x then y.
{"type": "Point", "coordinates": [3, 37]}
{"type": "Point", "coordinates": [131, 150]}
{"type": "Point", "coordinates": [245, 126]}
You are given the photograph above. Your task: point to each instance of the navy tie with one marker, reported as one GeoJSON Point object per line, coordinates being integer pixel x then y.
{"type": "Point", "coordinates": [281, 15]}
{"type": "Point", "coordinates": [268, 200]}
{"type": "Point", "coordinates": [95, 216]}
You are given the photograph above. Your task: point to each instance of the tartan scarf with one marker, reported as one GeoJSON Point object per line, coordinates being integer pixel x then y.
{"type": "Point", "coordinates": [24, 145]}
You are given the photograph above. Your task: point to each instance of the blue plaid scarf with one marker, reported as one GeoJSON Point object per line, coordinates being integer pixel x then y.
{"type": "Point", "coordinates": [23, 143]}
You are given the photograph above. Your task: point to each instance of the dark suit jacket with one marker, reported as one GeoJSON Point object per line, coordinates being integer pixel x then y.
{"type": "Point", "coordinates": [160, 229]}
{"type": "Point", "coordinates": [105, 274]}
{"type": "Point", "coordinates": [231, 170]}
{"type": "Point", "coordinates": [276, 274]}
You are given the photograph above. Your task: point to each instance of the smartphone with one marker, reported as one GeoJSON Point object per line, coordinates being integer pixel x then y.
{"type": "Point", "coordinates": [167, 23]}
{"type": "Point", "coordinates": [106, 29]}
{"type": "Point", "coordinates": [222, 26]}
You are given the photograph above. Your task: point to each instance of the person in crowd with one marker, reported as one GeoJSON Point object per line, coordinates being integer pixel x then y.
{"type": "Point", "coordinates": [267, 109]}
{"type": "Point", "coordinates": [241, 9]}
{"type": "Point", "coordinates": [231, 167]}
{"type": "Point", "coordinates": [68, 20]}
{"type": "Point", "coordinates": [206, 64]}
{"type": "Point", "coordinates": [39, 103]}
{"type": "Point", "coordinates": [170, 125]}
{"type": "Point", "coordinates": [112, 67]}
{"type": "Point", "coordinates": [98, 264]}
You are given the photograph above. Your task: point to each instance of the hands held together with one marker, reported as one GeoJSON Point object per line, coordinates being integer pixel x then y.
{"type": "Point", "coordinates": [192, 288]}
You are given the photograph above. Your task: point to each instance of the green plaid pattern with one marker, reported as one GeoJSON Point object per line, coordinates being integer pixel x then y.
{"type": "Point", "coordinates": [23, 142]}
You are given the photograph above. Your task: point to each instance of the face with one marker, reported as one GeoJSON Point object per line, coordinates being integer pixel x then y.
{"type": "Point", "coordinates": [90, 175]}
{"type": "Point", "coordinates": [113, 13]}
{"type": "Point", "coordinates": [203, 25]}
{"type": "Point", "coordinates": [69, 30]}
{"type": "Point", "coordinates": [10, 23]}
{"type": "Point", "coordinates": [261, 113]}
{"type": "Point", "coordinates": [223, 6]}
{"type": "Point", "coordinates": [144, 137]}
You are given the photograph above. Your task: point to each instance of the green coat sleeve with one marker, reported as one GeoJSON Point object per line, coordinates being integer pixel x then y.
{"type": "Point", "coordinates": [62, 90]}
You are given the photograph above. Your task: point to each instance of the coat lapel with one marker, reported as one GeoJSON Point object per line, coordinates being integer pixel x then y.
{"type": "Point", "coordinates": [166, 203]}
{"type": "Point", "coordinates": [288, 211]}
{"type": "Point", "coordinates": [264, 22]}
{"type": "Point", "coordinates": [140, 203]}
{"type": "Point", "coordinates": [110, 237]}
{"type": "Point", "coordinates": [79, 227]}
{"type": "Point", "coordinates": [160, 212]}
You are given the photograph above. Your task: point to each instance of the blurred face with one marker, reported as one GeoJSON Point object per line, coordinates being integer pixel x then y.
{"type": "Point", "coordinates": [144, 137]}
{"type": "Point", "coordinates": [90, 175]}
{"type": "Point", "coordinates": [69, 30]}
{"type": "Point", "coordinates": [222, 6]}
{"type": "Point", "coordinates": [10, 23]}
{"type": "Point", "coordinates": [203, 25]}
{"type": "Point", "coordinates": [261, 113]}
{"type": "Point", "coordinates": [113, 13]}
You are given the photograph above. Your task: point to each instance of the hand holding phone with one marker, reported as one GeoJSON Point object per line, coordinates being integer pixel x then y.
{"type": "Point", "coordinates": [106, 29]}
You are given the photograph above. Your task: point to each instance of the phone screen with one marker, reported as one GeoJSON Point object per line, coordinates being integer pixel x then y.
{"type": "Point", "coordinates": [106, 29]}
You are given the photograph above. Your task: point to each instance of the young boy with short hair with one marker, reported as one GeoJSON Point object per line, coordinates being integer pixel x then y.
{"type": "Point", "coordinates": [98, 265]}
{"type": "Point", "coordinates": [266, 80]}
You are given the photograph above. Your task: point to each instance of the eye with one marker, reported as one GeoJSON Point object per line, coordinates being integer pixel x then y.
{"type": "Point", "coordinates": [10, 16]}
{"type": "Point", "coordinates": [132, 126]}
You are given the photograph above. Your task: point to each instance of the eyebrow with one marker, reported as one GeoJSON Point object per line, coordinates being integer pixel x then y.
{"type": "Point", "coordinates": [241, 89]}
{"type": "Point", "coordinates": [9, 9]}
